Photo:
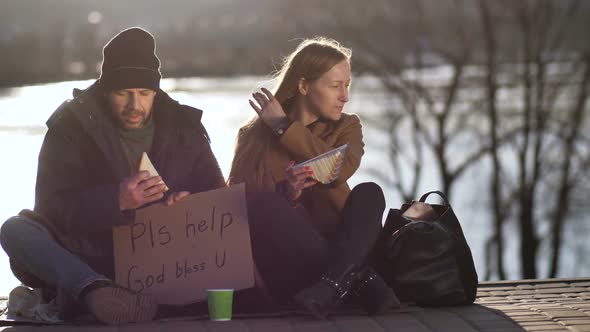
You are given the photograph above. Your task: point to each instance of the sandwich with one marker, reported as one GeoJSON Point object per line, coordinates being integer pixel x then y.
{"type": "Point", "coordinates": [326, 166]}
{"type": "Point", "coordinates": [146, 165]}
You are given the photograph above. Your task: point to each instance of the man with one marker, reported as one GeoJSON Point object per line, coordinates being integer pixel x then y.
{"type": "Point", "coordinates": [88, 179]}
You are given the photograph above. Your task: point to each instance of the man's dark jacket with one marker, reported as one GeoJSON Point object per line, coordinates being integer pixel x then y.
{"type": "Point", "coordinates": [82, 162]}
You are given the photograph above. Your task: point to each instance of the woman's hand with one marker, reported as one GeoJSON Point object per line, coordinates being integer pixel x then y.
{"type": "Point", "coordinates": [297, 180]}
{"type": "Point", "coordinates": [269, 109]}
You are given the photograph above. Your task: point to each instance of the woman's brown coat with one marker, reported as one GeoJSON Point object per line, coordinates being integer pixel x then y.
{"type": "Point", "coordinates": [300, 143]}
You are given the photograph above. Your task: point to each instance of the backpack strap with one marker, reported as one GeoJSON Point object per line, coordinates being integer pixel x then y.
{"type": "Point", "coordinates": [444, 197]}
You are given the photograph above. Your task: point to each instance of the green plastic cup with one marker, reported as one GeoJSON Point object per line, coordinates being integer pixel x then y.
{"type": "Point", "coordinates": [220, 302]}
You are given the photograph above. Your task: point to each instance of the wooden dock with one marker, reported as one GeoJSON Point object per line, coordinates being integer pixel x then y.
{"type": "Point", "coordinates": [506, 306]}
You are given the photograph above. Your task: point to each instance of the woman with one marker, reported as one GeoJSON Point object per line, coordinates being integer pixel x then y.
{"type": "Point", "coordinates": [318, 251]}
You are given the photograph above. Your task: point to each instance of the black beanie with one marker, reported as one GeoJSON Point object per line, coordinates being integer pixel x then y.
{"type": "Point", "coordinates": [129, 61]}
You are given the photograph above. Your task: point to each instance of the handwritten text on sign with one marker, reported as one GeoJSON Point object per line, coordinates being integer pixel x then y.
{"type": "Point", "coordinates": [177, 252]}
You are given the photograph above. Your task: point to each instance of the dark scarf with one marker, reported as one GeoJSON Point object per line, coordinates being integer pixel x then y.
{"type": "Point", "coordinates": [137, 141]}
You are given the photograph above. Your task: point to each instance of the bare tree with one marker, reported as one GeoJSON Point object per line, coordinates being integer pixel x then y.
{"type": "Point", "coordinates": [542, 27]}
{"type": "Point", "coordinates": [567, 182]}
{"type": "Point", "coordinates": [498, 209]}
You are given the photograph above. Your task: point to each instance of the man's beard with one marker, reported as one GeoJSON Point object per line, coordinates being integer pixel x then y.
{"type": "Point", "coordinates": [132, 113]}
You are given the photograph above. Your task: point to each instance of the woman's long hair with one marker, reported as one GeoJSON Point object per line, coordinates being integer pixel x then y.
{"type": "Point", "coordinates": [312, 58]}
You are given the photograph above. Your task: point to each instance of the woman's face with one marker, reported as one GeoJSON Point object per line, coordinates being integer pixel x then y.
{"type": "Point", "coordinates": [327, 95]}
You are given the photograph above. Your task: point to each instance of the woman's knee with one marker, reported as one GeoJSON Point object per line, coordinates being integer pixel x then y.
{"type": "Point", "coordinates": [369, 192]}
{"type": "Point", "coordinates": [265, 204]}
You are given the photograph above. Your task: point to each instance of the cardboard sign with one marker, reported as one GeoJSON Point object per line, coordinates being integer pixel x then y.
{"type": "Point", "coordinates": [177, 252]}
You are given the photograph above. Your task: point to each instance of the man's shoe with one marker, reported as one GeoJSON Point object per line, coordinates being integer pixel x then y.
{"type": "Point", "coordinates": [114, 305]}
{"type": "Point", "coordinates": [373, 293]}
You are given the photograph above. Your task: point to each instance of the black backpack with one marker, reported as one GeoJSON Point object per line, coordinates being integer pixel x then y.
{"type": "Point", "coordinates": [428, 261]}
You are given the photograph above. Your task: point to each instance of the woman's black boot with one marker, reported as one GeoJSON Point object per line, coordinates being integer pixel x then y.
{"type": "Point", "coordinates": [328, 293]}
{"type": "Point", "coordinates": [373, 293]}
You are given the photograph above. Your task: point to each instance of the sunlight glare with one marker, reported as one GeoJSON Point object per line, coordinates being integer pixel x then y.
{"type": "Point", "coordinates": [94, 17]}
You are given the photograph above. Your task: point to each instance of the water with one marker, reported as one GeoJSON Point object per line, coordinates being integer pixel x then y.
{"type": "Point", "coordinates": [23, 112]}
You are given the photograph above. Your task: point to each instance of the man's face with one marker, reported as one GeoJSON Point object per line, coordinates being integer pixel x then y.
{"type": "Point", "coordinates": [131, 107]}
